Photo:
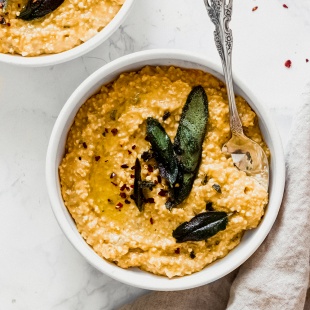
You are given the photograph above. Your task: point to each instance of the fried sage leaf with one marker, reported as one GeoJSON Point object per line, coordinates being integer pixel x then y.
{"type": "Point", "coordinates": [38, 8]}
{"type": "Point", "coordinates": [188, 143]}
{"type": "Point", "coordinates": [163, 150]}
{"type": "Point", "coordinates": [201, 227]}
{"type": "Point", "coordinates": [137, 189]}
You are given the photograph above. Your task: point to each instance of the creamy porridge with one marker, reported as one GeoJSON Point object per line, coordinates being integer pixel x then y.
{"type": "Point", "coordinates": [98, 170]}
{"type": "Point", "coordinates": [69, 25]}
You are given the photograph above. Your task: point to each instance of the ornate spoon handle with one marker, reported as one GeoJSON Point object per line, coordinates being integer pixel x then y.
{"type": "Point", "coordinates": [220, 14]}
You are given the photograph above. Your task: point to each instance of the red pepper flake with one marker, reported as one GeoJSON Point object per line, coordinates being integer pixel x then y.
{"type": "Point", "coordinates": [128, 188]}
{"type": "Point", "coordinates": [106, 161]}
{"type": "Point", "coordinates": [2, 20]}
{"type": "Point", "coordinates": [132, 197]}
{"type": "Point", "coordinates": [159, 179]}
{"type": "Point", "coordinates": [109, 200]}
{"type": "Point", "coordinates": [149, 168]}
{"type": "Point", "coordinates": [123, 187]}
{"type": "Point", "coordinates": [97, 158]}
{"type": "Point", "coordinates": [127, 202]}
{"type": "Point", "coordinates": [103, 134]}
{"type": "Point", "coordinates": [162, 193]}
{"type": "Point", "coordinates": [255, 8]}
{"type": "Point", "coordinates": [151, 221]}
{"type": "Point", "coordinates": [285, 6]}
{"type": "Point", "coordinates": [132, 186]}
{"type": "Point", "coordinates": [132, 176]}
{"type": "Point", "coordinates": [177, 251]}
{"type": "Point", "coordinates": [84, 145]}
{"type": "Point", "coordinates": [119, 205]}
{"type": "Point", "coordinates": [123, 195]}
{"type": "Point", "coordinates": [124, 166]}
{"type": "Point", "coordinates": [150, 200]}
{"type": "Point", "coordinates": [80, 158]}
{"type": "Point", "coordinates": [114, 183]}
{"type": "Point", "coordinates": [307, 60]}
{"type": "Point", "coordinates": [155, 182]}
{"type": "Point", "coordinates": [113, 175]}
{"type": "Point", "coordinates": [106, 130]}
{"type": "Point", "coordinates": [18, 5]}
{"type": "Point", "coordinates": [288, 64]}
{"type": "Point", "coordinates": [166, 115]}
{"type": "Point", "coordinates": [133, 147]}
{"type": "Point", "coordinates": [129, 152]}
{"type": "Point", "coordinates": [133, 168]}
{"type": "Point", "coordinates": [114, 131]}
{"type": "Point", "coordinates": [8, 24]}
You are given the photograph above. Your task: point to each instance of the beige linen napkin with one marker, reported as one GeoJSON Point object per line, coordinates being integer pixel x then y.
{"type": "Point", "coordinates": [277, 275]}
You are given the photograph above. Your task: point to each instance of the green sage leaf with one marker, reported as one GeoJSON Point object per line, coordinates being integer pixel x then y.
{"type": "Point", "coordinates": [201, 227]}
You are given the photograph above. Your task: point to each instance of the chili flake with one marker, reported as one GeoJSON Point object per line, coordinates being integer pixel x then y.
{"type": "Point", "coordinates": [255, 8]}
{"type": "Point", "coordinates": [166, 115]}
{"type": "Point", "coordinates": [112, 175]}
{"type": "Point", "coordinates": [307, 60]}
{"type": "Point", "coordinates": [133, 147]}
{"type": "Point", "coordinates": [84, 145]}
{"type": "Point", "coordinates": [114, 131]}
{"type": "Point", "coordinates": [288, 64]}
{"type": "Point", "coordinates": [285, 6]}
{"type": "Point", "coordinates": [151, 221]}
{"type": "Point", "coordinates": [162, 193]}
{"type": "Point", "coordinates": [114, 183]}
{"type": "Point", "coordinates": [119, 205]}
{"type": "Point", "coordinates": [97, 158]}
{"type": "Point", "coordinates": [192, 255]}
{"type": "Point", "coordinates": [150, 200]}
{"type": "Point", "coordinates": [127, 202]}
{"type": "Point", "coordinates": [123, 187]}
{"type": "Point", "coordinates": [129, 152]}
{"type": "Point", "coordinates": [149, 168]}
{"type": "Point", "coordinates": [177, 251]}
{"type": "Point", "coordinates": [123, 195]}
{"type": "Point", "coordinates": [124, 166]}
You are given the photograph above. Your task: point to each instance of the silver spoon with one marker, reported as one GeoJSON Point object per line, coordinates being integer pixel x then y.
{"type": "Point", "coordinates": [246, 154]}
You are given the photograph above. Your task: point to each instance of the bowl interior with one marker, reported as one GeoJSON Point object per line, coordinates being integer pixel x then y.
{"type": "Point", "coordinates": [251, 240]}
{"type": "Point", "coordinates": [53, 59]}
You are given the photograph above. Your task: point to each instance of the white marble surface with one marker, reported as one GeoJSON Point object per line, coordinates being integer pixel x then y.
{"type": "Point", "coordinates": [39, 267]}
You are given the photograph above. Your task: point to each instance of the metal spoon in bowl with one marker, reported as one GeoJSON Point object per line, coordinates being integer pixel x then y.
{"type": "Point", "coordinates": [247, 155]}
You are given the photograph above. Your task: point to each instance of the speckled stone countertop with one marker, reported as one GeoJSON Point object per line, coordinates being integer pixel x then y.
{"type": "Point", "coordinates": [39, 267]}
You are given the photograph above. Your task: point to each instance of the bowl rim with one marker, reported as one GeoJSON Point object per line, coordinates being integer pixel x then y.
{"type": "Point", "coordinates": [133, 276]}
{"type": "Point", "coordinates": [80, 50]}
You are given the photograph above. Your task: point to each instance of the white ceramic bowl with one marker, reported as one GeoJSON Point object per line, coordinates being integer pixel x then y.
{"type": "Point", "coordinates": [250, 241]}
{"type": "Point", "coordinates": [92, 43]}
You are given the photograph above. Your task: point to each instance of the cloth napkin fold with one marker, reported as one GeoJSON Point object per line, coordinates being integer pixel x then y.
{"type": "Point", "coordinates": [276, 276]}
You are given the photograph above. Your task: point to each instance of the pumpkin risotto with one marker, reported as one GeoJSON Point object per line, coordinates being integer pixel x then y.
{"type": "Point", "coordinates": [99, 171]}
{"type": "Point", "coordinates": [70, 24]}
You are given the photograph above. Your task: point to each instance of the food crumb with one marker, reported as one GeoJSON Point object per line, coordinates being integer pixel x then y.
{"type": "Point", "coordinates": [255, 8]}
{"type": "Point", "coordinates": [285, 6]}
{"type": "Point", "coordinates": [288, 64]}
{"type": "Point", "coordinates": [307, 60]}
